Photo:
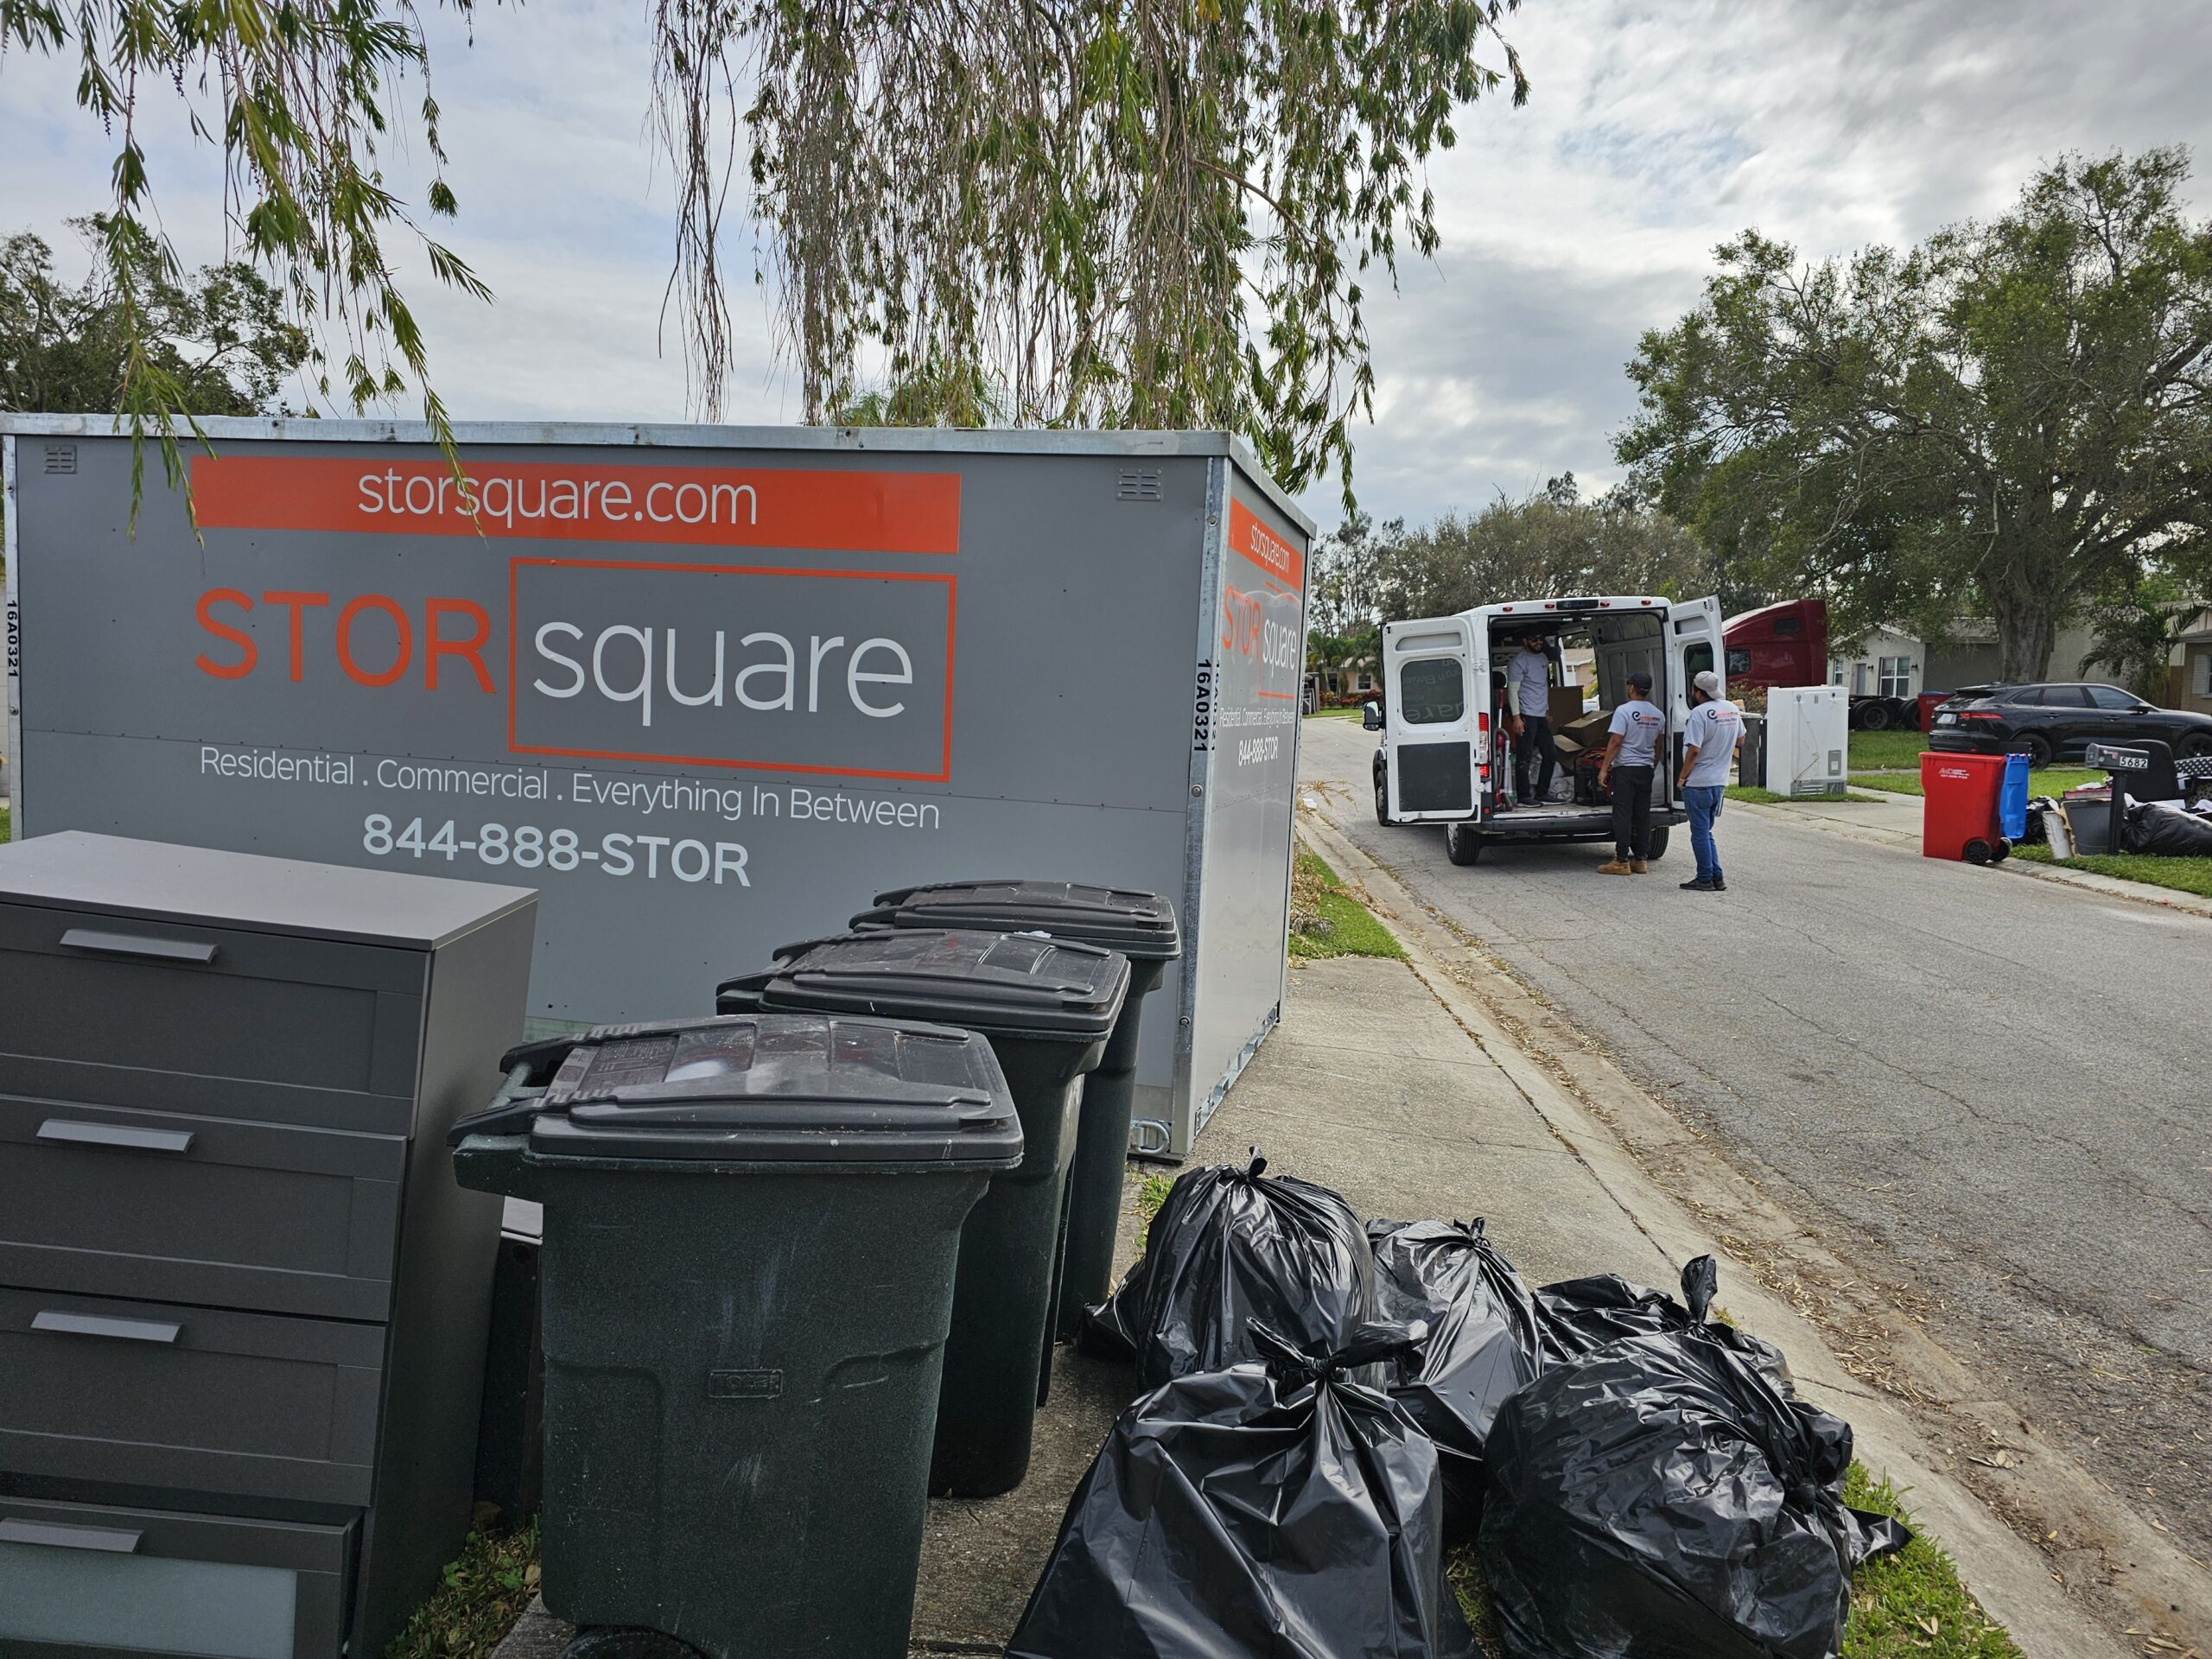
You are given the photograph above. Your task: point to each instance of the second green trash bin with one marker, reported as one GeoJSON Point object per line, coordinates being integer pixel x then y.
{"type": "Point", "coordinates": [1048, 1007]}
{"type": "Point", "coordinates": [1141, 926]}
{"type": "Point", "coordinates": [751, 1227]}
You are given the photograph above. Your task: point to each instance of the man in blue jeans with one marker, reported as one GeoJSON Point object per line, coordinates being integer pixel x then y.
{"type": "Point", "coordinates": [1714, 733]}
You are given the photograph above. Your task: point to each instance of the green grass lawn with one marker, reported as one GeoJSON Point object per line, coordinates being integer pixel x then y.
{"type": "Point", "coordinates": [7, 830]}
{"type": "Point", "coordinates": [2051, 780]}
{"type": "Point", "coordinates": [1880, 751]}
{"type": "Point", "coordinates": [1327, 921]}
{"type": "Point", "coordinates": [2184, 874]}
{"type": "Point", "coordinates": [1352, 713]}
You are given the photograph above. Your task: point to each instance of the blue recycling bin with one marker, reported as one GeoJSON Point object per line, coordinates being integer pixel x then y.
{"type": "Point", "coordinates": [2012, 800]}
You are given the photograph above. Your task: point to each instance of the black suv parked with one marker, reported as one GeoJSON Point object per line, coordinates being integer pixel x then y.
{"type": "Point", "coordinates": [2057, 720]}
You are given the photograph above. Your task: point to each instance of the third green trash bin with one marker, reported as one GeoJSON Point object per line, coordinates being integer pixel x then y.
{"type": "Point", "coordinates": [752, 1227]}
{"type": "Point", "coordinates": [1048, 1007]}
{"type": "Point", "coordinates": [1141, 926]}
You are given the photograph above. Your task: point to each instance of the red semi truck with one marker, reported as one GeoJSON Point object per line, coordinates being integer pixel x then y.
{"type": "Point", "coordinates": [1788, 644]}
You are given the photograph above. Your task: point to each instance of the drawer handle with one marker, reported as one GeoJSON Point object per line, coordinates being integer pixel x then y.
{"type": "Point", "coordinates": [56, 1537]}
{"type": "Point", "coordinates": [94, 1324]}
{"type": "Point", "coordinates": [131, 945]}
{"type": "Point", "coordinates": [114, 1135]}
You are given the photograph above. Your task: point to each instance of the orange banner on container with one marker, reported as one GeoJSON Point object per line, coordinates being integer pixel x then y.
{"type": "Point", "coordinates": [1253, 540]}
{"type": "Point", "coordinates": [840, 510]}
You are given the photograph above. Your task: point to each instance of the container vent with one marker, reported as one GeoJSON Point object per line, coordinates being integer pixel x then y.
{"type": "Point", "coordinates": [60, 458]}
{"type": "Point", "coordinates": [1137, 484]}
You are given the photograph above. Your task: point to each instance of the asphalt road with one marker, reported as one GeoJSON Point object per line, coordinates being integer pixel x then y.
{"type": "Point", "coordinates": [1995, 1090]}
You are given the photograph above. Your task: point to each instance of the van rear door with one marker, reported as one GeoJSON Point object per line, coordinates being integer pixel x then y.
{"type": "Point", "coordinates": [1693, 646]}
{"type": "Point", "coordinates": [1436, 734]}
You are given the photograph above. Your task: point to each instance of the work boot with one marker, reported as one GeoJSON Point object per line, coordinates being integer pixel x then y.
{"type": "Point", "coordinates": [1619, 867]}
{"type": "Point", "coordinates": [1698, 885]}
{"type": "Point", "coordinates": [1637, 867]}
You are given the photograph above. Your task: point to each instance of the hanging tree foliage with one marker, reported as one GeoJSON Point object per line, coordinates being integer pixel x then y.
{"type": "Point", "coordinates": [1096, 212]}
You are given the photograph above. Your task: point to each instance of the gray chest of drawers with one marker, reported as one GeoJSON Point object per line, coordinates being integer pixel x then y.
{"type": "Point", "coordinates": [242, 1299]}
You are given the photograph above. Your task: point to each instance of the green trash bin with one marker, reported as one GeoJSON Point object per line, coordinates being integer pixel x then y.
{"type": "Point", "coordinates": [1141, 926]}
{"type": "Point", "coordinates": [1047, 1007]}
{"type": "Point", "coordinates": [752, 1230]}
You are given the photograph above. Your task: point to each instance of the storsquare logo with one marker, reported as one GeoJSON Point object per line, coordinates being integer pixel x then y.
{"type": "Point", "coordinates": [842, 672]}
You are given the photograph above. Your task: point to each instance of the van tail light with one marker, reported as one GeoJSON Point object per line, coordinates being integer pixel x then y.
{"type": "Point", "coordinates": [1481, 724]}
{"type": "Point", "coordinates": [1482, 739]}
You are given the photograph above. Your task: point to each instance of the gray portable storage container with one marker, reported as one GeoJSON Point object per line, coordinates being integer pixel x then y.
{"type": "Point", "coordinates": [696, 684]}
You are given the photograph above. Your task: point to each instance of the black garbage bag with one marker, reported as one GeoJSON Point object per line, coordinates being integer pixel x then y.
{"type": "Point", "coordinates": [1579, 1316]}
{"type": "Point", "coordinates": [1274, 1509]}
{"type": "Point", "coordinates": [1484, 1340]}
{"type": "Point", "coordinates": [2166, 830]}
{"type": "Point", "coordinates": [1659, 1498]}
{"type": "Point", "coordinates": [1230, 1246]}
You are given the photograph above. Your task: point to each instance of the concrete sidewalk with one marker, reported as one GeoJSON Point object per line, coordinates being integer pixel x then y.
{"type": "Point", "coordinates": [1395, 1084]}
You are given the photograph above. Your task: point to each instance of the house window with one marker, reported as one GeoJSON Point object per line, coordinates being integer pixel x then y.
{"type": "Point", "coordinates": [2201, 685]}
{"type": "Point", "coordinates": [1895, 676]}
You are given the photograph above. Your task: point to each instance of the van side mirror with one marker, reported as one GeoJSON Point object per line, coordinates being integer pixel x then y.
{"type": "Point", "coordinates": [1370, 717]}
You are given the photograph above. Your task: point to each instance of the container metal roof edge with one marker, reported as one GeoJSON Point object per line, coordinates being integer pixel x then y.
{"type": "Point", "coordinates": [850, 440]}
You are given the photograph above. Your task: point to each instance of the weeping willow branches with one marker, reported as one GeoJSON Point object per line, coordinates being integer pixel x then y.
{"type": "Point", "coordinates": [300, 96]}
{"type": "Point", "coordinates": [1082, 212]}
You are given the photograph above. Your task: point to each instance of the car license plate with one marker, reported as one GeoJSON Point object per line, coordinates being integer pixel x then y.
{"type": "Point", "coordinates": [1946, 719]}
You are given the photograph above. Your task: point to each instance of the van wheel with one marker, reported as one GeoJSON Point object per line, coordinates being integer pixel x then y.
{"type": "Point", "coordinates": [1658, 849]}
{"type": "Point", "coordinates": [1463, 843]}
{"type": "Point", "coordinates": [1382, 799]}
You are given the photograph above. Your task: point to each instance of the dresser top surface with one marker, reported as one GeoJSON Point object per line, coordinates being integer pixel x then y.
{"type": "Point", "coordinates": [74, 869]}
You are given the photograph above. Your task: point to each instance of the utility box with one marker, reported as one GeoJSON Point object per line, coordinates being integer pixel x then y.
{"type": "Point", "coordinates": [708, 689]}
{"type": "Point", "coordinates": [1808, 740]}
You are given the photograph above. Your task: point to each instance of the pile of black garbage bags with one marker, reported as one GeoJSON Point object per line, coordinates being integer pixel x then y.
{"type": "Point", "coordinates": [1328, 1405]}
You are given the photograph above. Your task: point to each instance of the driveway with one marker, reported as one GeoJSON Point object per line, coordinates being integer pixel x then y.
{"type": "Point", "coordinates": [1990, 1092]}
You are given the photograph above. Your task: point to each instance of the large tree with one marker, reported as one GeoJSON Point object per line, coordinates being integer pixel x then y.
{"type": "Point", "coordinates": [1113, 213]}
{"type": "Point", "coordinates": [2009, 420]}
{"type": "Point", "coordinates": [1547, 545]}
{"type": "Point", "coordinates": [218, 339]}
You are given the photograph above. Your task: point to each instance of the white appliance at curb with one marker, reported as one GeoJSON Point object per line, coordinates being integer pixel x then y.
{"type": "Point", "coordinates": [1808, 740]}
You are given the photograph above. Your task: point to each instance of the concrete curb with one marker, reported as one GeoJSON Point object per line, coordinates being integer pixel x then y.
{"type": "Point", "coordinates": [1617, 1131]}
{"type": "Point", "coordinates": [2111, 888]}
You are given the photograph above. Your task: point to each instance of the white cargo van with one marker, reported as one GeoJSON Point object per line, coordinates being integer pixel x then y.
{"type": "Point", "coordinates": [1445, 758]}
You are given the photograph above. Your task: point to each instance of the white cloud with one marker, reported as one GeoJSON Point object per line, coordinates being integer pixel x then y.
{"type": "Point", "coordinates": [1658, 128]}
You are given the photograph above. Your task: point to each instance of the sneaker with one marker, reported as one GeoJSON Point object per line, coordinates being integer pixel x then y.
{"type": "Point", "coordinates": [1619, 867]}
{"type": "Point", "coordinates": [1637, 867]}
{"type": "Point", "coordinates": [1718, 884]}
{"type": "Point", "coordinates": [1700, 885]}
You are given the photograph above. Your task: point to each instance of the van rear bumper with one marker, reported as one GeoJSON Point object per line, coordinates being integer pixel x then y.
{"type": "Point", "coordinates": [1574, 824]}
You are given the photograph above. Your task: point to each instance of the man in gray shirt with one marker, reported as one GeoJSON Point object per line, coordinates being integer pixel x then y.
{"type": "Point", "coordinates": [1528, 687]}
{"type": "Point", "coordinates": [1710, 740]}
{"type": "Point", "coordinates": [1629, 763]}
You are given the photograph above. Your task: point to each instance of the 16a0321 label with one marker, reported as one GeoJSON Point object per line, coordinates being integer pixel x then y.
{"type": "Point", "coordinates": [534, 846]}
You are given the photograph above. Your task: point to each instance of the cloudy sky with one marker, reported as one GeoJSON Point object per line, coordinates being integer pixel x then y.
{"type": "Point", "coordinates": [1656, 129]}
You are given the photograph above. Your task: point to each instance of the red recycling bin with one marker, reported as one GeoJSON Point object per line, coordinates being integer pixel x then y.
{"type": "Point", "coordinates": [1958, 816]}
{"type": "Point", "coordinates": [1929, 702]}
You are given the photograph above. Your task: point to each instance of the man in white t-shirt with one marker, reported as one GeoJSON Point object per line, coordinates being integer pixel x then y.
{"type": "Point", "coordinates": [1629, 763]}
{"type": "Point", "coordinates": [1710, 740]}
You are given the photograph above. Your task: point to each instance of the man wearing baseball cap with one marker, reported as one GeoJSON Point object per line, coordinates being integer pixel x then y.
{"type": "Point", "coordinates": [1627, 767]}
{"type": "Point", "coordinates": [1710, 740]}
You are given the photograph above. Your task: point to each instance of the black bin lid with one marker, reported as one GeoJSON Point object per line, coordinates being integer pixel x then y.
{"type": "Point", "coordinates": [777, 1087]}
{"type": "Point", "coordinates": [1139, 925]}
{"type": "Point", "coordinates": [998, 983]}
